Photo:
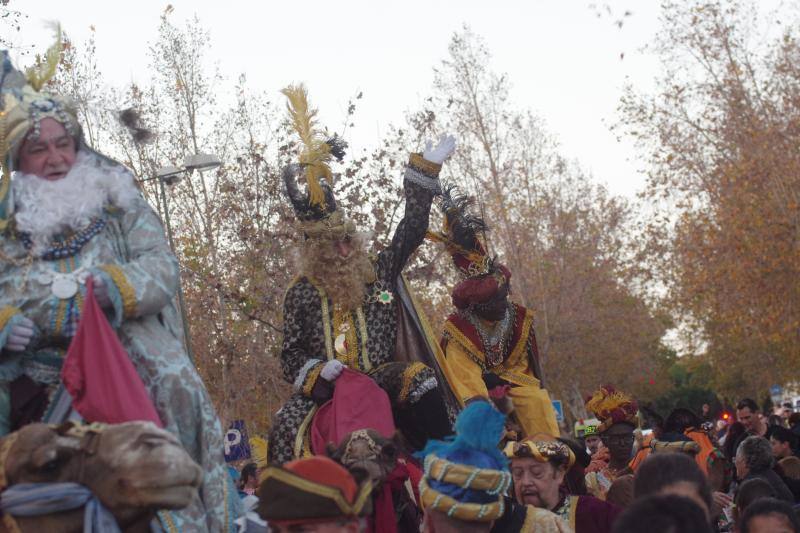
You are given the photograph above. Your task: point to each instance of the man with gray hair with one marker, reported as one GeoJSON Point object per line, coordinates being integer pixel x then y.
{"type": "Point", "coordinates": [69, 215]}
{"type": "Point", "coordinates": [754, 460]}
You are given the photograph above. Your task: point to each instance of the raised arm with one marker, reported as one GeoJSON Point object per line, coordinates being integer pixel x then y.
{"type": "Point", "coordinates": [421, 184]}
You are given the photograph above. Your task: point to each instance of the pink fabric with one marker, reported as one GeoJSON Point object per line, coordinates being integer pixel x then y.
{"type": "Point", "coordinates": [384, 518]}
{"type": "Point", "coordinates": [98, 374]}
{"type": "Point", "coordinates": [358, 403]}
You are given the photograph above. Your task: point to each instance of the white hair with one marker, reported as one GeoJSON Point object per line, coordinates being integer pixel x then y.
{"type": "Point", "coordinates": [45, 208]}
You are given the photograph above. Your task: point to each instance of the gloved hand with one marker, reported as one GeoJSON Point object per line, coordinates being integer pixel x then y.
{"type": "Point", "coordinates": [332, 370]}
{"type": "Point", "coordinates": [101, 293]}
{"type": "Point", "coordinates": [19, 336]}
{"type": "Point", "coordinates": [443, 150]}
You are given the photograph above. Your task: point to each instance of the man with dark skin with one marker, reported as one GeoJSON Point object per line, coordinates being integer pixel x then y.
{"type": "Point", "coordinates": [619, 441]}
{"type": "Point", "coordinates": [617, 414]}
{"type": "Point", "coordinates": [489, 339]}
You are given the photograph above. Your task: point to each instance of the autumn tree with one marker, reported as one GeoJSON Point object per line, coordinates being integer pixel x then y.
{"type": "Point", "coordinates": [562, 235]}
{"type": "Point", "coordinates": [720, 140]}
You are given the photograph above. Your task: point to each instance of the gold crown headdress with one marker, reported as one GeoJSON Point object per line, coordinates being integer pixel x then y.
{"type": "Point", "coordinates": [22, 108]}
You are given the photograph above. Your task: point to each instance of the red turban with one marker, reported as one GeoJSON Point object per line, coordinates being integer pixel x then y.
{"type": "Point", "coordinates": [480, 289]}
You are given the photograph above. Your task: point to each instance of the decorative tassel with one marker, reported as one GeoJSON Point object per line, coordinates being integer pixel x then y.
{"type": "Point", "coordinates": [317, 152]}
{"type": "Point", "coordinates": [45, 69]}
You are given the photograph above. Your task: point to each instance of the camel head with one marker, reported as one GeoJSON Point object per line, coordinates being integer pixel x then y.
{"type": "Point", "coordinates": [367, 455]}
{"type": "Point", "coordinates": [132, 468]}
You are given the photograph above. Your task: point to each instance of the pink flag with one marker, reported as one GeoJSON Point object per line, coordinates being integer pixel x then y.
{"type": "Point", "coordinates": [98, 374]}
{"type": "Point", "coordinates": [358, 403]}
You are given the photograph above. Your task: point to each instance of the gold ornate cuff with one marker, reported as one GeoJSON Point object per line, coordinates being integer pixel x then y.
{"type": "Point", "coordinates": [126, 291]}
{"type": "Point", "coordinates": [6, 313]}
{"type": "Point", "coordinates": [419, 163]}
{"type": "Point", "coordinates": [311, 379]}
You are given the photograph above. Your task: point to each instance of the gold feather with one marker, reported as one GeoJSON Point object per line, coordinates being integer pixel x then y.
{"type": "Point", "coordinates": [45, 69]}
{"type": "Point", "coordinates": [316, 153]}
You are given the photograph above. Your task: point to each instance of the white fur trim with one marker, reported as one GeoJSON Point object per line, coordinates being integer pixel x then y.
{"type": "Point", "coordinates": [301, 376]}
{"type": "Point", "coordinates": [426, 386]}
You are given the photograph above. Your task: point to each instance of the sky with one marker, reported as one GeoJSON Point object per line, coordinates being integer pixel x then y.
{"type": "Point", "coordinates": [563, 57]}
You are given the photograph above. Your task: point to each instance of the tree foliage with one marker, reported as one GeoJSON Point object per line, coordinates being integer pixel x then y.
{"type": "Point", "coordinates": [720, 138]}
{"type": "Point", "coordinates": [563, 236]}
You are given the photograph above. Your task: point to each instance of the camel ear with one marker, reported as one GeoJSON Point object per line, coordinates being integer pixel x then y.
{"type": "Point", "coordinates": [332, 452]}
{"type": "Point", "coordinates": [389, 452]}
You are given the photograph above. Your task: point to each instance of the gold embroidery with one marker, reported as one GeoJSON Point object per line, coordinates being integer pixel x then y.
{"type": "Point", "coordinates": [452, 331]}
{"type": "Point", "coordinates": [417, 162]}
{"type": "Point", "coordinates": [326, 320]}
{"type": "Point", "coordinates": [573, 510]}
{"type": "Point", "coordinates": [311, 379]}
{"type": "Point", "coordinates": [343, 325]}
{"type": "Point", "coordinates": [522, 343]}
{"type": "Point", "coordinates": [126, 291]}
{"type": "Point", "coordinates": [6, 313]}
{"type": "Point", "coordinates": [366, 364]}
{"type": "Point", "coordinates": [408, 376]}
{"type": "Point", "coordinates": [301, 433]}
{"type": "Point", "coordinates": [166, 518]}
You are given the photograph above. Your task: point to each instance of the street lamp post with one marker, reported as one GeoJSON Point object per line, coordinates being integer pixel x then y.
{"type": "Point", "coordinates": [169, 175]}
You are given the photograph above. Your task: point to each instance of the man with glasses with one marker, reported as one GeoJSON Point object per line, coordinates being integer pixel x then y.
{"type": "Point", "coordinates": [617, 414]}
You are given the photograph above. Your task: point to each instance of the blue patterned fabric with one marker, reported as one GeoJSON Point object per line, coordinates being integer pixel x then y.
{"type": "Point", "coordinates": [36, 499]}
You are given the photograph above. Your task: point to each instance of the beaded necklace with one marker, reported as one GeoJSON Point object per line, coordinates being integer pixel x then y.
{"type": "Point", "coordinates": [495, 343]}
{"type": "Point", "coordinates": [69, 246]}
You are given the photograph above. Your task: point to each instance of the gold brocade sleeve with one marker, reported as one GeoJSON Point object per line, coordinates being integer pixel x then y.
{"type": "Point", "coordinates": [466, 374]}
{"type": "Point", "coordinates": [126, 291]}
{"type": "Point", "coordinates": [6, 313]}
{"type": "Point", "coordinates": [311, 379]}
{"type": "Point", "coordinates": [419, 163]}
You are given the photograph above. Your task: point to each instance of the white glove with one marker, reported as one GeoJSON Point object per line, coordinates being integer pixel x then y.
{"type": "Point", "coordinates": [19, 336]}
{"type": "Point", "coordinates": [332, 370]}
{"type": "Point", "coordinates": [101, 293]}
{"type": "Point", "coordinates": [443, 150]}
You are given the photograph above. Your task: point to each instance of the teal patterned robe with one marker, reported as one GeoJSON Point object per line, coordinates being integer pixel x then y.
{"type": "Point", "coordinates": [132, 254]}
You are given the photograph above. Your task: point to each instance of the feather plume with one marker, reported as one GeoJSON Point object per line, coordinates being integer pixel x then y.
{"type": "Point", "coordinates": [316, 153]}
{"type": "Point", "coordinates": [460, 221]}
{"type": "Point", "coordinates": [132, 120]}
{"type": "Point", "coordinates": [45, 68]}
{"type": "Point", "coordinates": [479, 429]}
{"type": "Point", "coordinates": [609, 403]}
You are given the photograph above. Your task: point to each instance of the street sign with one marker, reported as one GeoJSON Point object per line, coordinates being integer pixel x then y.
{"type": "Point", "coordinates": [776, 393]}
{"type": "Point", "coordinates": [559, 409]}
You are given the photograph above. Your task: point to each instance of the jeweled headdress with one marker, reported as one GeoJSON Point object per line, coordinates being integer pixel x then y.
{"type": "Point", "coordinates": [464, 235]}
{"type": "Point", "coordinates": [611, 406]}
{"type": "Point", "coordinates": [23, 105]}
{"type": "Point", "coordinates": [543, 451]}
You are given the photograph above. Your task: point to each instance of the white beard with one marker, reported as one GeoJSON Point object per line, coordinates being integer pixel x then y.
{"type": "Point", "coordinates": [44, 209]}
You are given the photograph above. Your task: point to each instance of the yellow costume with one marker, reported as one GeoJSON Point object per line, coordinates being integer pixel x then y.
{"type": "Point", "coordinates": [488, 335]}
{"type": "Point", "coordinates": [466, 362]}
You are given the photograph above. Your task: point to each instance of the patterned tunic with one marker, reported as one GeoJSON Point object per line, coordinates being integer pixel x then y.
{"type": "Point", "coordinates": [312, 322]}
{"type": "Point", "coordinates": [133, 256]}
